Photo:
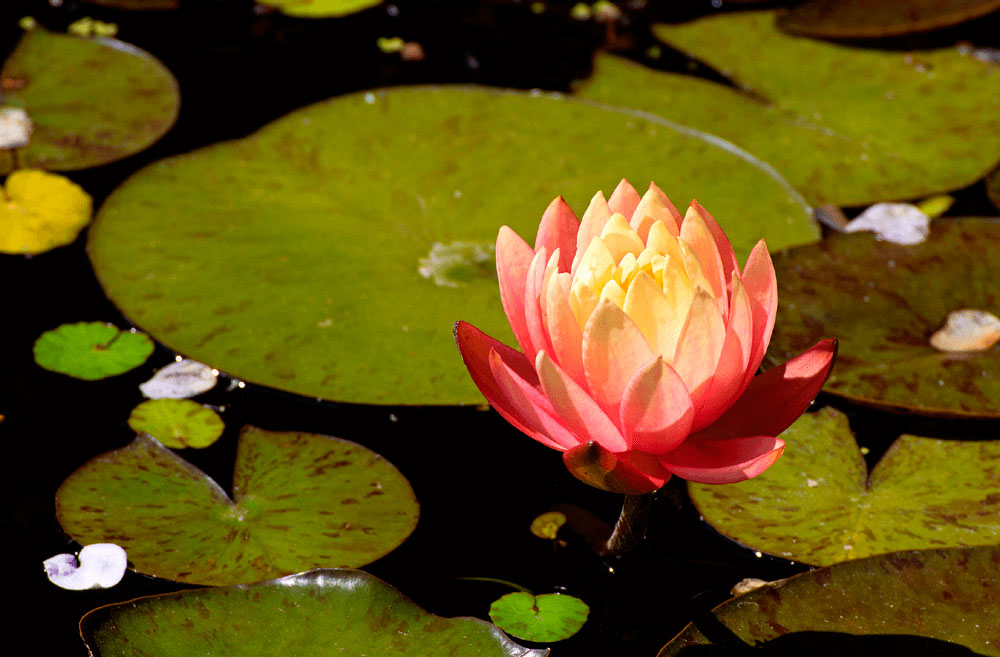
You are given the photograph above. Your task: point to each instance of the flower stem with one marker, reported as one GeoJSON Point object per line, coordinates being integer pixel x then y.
{"type": "Point", "coordinates": [630, 530]}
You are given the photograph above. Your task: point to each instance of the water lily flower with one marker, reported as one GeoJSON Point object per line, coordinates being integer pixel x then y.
{"type": "Point", "coordinates": [640, 341]}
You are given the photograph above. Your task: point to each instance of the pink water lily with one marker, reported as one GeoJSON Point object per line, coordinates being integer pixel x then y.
{"type": "Point", "coordinates": [641, 338]}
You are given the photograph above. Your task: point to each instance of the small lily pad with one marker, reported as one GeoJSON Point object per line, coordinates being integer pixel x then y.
{"type": "Point", "coordinates": [853, 19]}
{"type": "Point", "coordinates": [397, 195]}
{"type": "Point", "coordinates": [933, 602]}
{"type": "Point", "coordinates": [543, 618]}
{"type": "Point", "coordinates": [91, 350]}
{"type": "Point", "coordinates": [313, 614]}
{"type": "Point", "coordinates": [319, 8]}
{"type": "Point", "coordinates": [41, 211]}
{"type": "Point", "coordinates": [92, 101]}
{"type": "Point", "coordinates": [177, 423]}
{"type": "Point", "coordinates": [822, 113]}
{"type": "Point", "coordinates": [819, 505]}
{"type": "Point", "coordinates": [884, 301]}
{"type": "Point", "coordinates": [300, 501]}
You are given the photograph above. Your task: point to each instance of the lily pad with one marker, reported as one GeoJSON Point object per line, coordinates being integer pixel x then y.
{"type": "Point", "coordinates": [884, 301]}
{"type": "Point", "coordinates": [303, 257]}
{"type": "Point", "coordinates": [177, 423]}
{"type": "Point", "coordinates": [851, 19]}
{"type": "Point", "coordinates": [934, 602]}
{"type": "Point", "coordinates": [91, 350]}
{"type": "Point", "coordinates": [143, 5]}
{"type": "Point", "coordinates": [313, 614]}
{"type": "Point", "coordinates": [819, 505]}
{"type": "Point", "coordinates": [319, 8]}
{"type": "Point", "coordinates": [300, 501]}
{"type": "Point", "coordinates": [824, 113]}
{"type": "Point", "coordinates": [92, 101]}
{"type": "Point", "coordinates": [41, 211]}
{"type": "Point", "coordinates": [543, 618]}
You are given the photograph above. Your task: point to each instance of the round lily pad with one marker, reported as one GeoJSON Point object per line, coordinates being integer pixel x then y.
{"type": "Point", "coordinates": [91, 350]}
{"type": "Point", "coordinates": [822, 112]}
{"type": "Point", "coordinates": [92, 101]}
{"type": "Point", "coordinates": [883, 301]}
{"type": "Point", "coordinates": [330, 253]}
{"type": "Point", "coordinates": [41, 211]}
{"type": "Point", "coordinates": [543, 618]}
{"type": "Point", "coordinates": [319, 8]}
{"type": "Point", "coordinates": [934, 602]}
{"type": "Point", "coordinates": [819, 505]}
{"type": "Point", "coordinates": [851, 19]}
{"type": "Point", "coordinates": [299, 501]}
{"type": "Point", "coordinates": [313, 614]}
{"type": "Point", "coordinates": [177, 423]}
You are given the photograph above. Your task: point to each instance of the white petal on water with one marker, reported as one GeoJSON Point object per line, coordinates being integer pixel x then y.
{"type": "Point", "coordinates": [901, 223]}
{"type": "Point", "coordinates": [967, 330]}
{"type": "Point", "coordinates": [101, 566]}
{"type": "Point", "coordinates": [180, 379]}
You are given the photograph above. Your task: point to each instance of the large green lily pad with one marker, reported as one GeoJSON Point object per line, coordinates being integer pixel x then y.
{"type": "Point", "coordinates": [313, 614]}
{"type": "Point", "coordinates": [846, 19]}
{"type": "Point", "coordinates": [883, 301]}
{"type": "Point", "coordinates": [320, 255]}
{"type": "Point", "coordinates": [92, 100]}
{"type": "Point", "coordinates": [819, 505]}
{"type": "Point", "coordinates": [300, 501]}
{"type": "Point", "coordinates": [845, 125]}
{"type": "Point", "coordinates": [933, 602]}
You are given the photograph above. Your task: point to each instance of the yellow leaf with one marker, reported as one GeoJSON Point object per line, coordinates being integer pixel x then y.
{"type": "Point", "coordinates": [40, 211]}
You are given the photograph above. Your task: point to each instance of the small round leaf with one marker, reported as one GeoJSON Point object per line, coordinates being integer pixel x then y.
{"type": "Point", "coordinates": [91, 350]}
{"type": "Point", "coordinates": [543, 618]}
{"type": "Point", "coordinates": [177, 423]}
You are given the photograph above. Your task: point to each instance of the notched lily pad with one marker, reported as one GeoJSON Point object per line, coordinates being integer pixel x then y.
{"type": "Point", "coordinates": [313, 614]}
{"type": "Point", "coordinates": [319, 8]}
{"type": "Point", "coordinates": [91, 350]}
{"type": "Point", "coordinates": [935, 602]}
{"type": "Point", "coordinates": [543, 618]}
{"type": "Point", "coordinates": [299, 501]}
{"type": "Point", "coordinates": [883, 302]}
{"type": "Point", "coordinates": [177, 423]}
{"type": "Point", "coordinates": [360, 189]}
{"type": "Point", "coordinates": [92, 101]}
{"type": "Point", "coordinates": [839, 113]}
{"type": "Point", "coordinates": [819, 505]}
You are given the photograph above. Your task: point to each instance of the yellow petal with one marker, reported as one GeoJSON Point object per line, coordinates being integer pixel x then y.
{"type": "Point", "coordinates": [591, 224]}
{"type": "Point", "coordinates": [654, 207]}
{"type": "Point", "coordinates": [659, 320]}
{"type": "Point", "coordinates": [613, 292]}
{"type": "Point", "coordinates": [700, 345]}
{"type": "Point", "coordinates": [620, 239]}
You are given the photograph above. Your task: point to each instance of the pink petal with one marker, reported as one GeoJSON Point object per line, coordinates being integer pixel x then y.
{"type": "Point", "coordinates": [591, 225]}
{"type": "Point", "coordinates": [655, 206]}
{"type": "Point", "coordinates": [477, 349]}
{"type": "Point", "coordinates": [762, 287]}
{"type": "Point", "coordinates": [699, 346]}
{"type": "Point", "coordinates": [725, 248]}
{"type": "Point", "coordinates": [557, 230]}
{"type": "Point", "coordinates": [530, 407]}
{"type": "Point", "coordinates": [656, 411]}
{"type": "Point", "coordinates": [564, 331]}
{"type": "Point", "coordinates": [535, 327]}
{"type": "Point", "coordinates": [777, 397]}
{"type": "Point", "coordinates": [727, 382]}
{"type": "Point", "coordinates": [575, 408]}
{"type": "Point", "coordinates": [624, 199]}
{"type": "Point", "coordinates": [513, 262]}
{"type": "Point", "coordinates": [627, 473]}
{"type": "Point", "coordinates": [723, 461]}
{"type": "Point", "coordinates": [614, 349]}
{"type": "Point", "coordinates": [695, 233]}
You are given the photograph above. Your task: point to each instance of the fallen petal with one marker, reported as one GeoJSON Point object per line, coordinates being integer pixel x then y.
{"type": "Point", "coordinates": [967, 330]}
{"type": "Point", "coordinates": [101, 566]}
{"type": "Point", "coordinates": [179, 380]}
{"type": "Point", "coordinates": [900, 223]}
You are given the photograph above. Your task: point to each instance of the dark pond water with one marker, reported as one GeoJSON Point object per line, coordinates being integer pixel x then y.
{"type": "Point", "coordinates": [480, 482]}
